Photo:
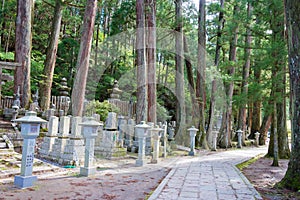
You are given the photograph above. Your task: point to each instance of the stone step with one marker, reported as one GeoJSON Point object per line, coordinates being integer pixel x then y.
{"type": "Point", "coordinates": [6, 126]}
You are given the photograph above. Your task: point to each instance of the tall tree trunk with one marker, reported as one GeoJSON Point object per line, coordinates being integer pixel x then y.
{"type": "Point", "coordinates": [292, 177]}
{"type": "Point", "coordinates": [263, 130]}
{"type": "Point", "coordinates": [23, 50]}
{"type": "Point", "coordinates": [151, 61]}
{"type": "Point", "coordinates": [142, 90]}
{"type": "Point", "coordinates": [200, 85]}
{"type": "Point", "coordinates": [49, 65]}
{"type": "Point", "coordinates": [225, 132]}
{"type": "Point", "coordinates": [246, 70]}
{"type": "Point", "coordinates": [275, 138]}
{"type": "Point", "coordinates": [179, 78]}
{"type": "Point", "coordinates": [82, 66]}
{"type": "Point", "coordinates": [190, 77]}
{"type": "Point", "coordinates": [278, 81]}
{"type": "Point", "coordinates": [219, 33]}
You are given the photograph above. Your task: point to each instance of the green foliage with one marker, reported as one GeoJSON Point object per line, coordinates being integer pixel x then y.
{"type": "Point", "coordinates": [101, 108]}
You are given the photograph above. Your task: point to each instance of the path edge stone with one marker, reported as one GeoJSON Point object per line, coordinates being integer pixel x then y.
{"type": "Point", "coordinates": [161, 186]}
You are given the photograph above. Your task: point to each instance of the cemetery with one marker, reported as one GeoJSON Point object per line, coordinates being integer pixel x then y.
{"type": "Point", "coordinates": [149, 99]}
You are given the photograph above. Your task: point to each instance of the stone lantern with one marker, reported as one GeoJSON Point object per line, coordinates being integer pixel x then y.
{"type": "Point", "coordinates": [90, 132]}
{"type": "Point", "coordinates": [30, 128]}
{"type": "Point", "coordinates": [257, 134]}
{"type": "Point", "coordinates": [239, 134]}
{"type": "Point", "coordinates": [155, 133]}
{"type": "Point", "coordinates": [193, 132]}
{"type": "Point", "coordinates": [142, 130]}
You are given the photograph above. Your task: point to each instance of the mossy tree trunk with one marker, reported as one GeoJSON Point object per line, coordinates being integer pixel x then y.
{"type": "Point", "coordinates": [291, 179]}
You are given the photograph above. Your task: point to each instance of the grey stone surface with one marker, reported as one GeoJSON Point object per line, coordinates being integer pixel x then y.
{"type": "Point", "coordinates": [209, 177]}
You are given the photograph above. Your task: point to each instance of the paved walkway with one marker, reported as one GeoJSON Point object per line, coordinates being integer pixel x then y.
{"type": "Point", "coordinates": [209, 177]}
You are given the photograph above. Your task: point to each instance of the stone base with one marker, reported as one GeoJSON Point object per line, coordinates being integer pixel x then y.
{"type": "Point", "coordinates": [109, 153]}
{"type": "Point", "coordinates": [140, 163]}
{"type": "Point", "coordinates": [24, 181]}
{"type": "Point", "coordinates": [155, 161]}
{"type": "Point", "coordinates": [87, 171]}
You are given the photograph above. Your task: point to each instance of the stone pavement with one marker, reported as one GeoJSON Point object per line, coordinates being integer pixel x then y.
{"type": "Point", "coordinates": [212, 176]}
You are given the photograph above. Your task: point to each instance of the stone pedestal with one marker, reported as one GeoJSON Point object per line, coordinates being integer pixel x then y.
{"type": "Point", "coordinates": [193, 132]}
{"type": "Point", "coordinates": [214, 140]}
{"type": "Point", "coordinates": [49, 139]}
{"type": "Point", "coordinates": [257, 138]}
{"type": "Point", "coordinates": [129, 133]}
{"type": "Point", "coordinates": [155, 132]}
{"type": "Point", "coordinates": [142, 130]}
{"type": "Point", "coordinates": [149, 142]}
{"type": "Point", "coordinates": [240, 135]}
{"type": "Point", "coordinates": [165, 140]}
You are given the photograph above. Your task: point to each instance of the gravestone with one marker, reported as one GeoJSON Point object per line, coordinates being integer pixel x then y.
{"type": "Point", "coordinates": [129, 134]}
{"type": "Point", "coordinates": [61, 141]}
{"type": "Point", "coordinates": [110, 146]}
{"type": "Point", "coordinates": [49, 139]}
{"type": "Point", "coordinates": [73, 152]}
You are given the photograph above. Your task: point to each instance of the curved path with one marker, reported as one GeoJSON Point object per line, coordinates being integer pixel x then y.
{"type": "Point", "coordinates": [212, 177]}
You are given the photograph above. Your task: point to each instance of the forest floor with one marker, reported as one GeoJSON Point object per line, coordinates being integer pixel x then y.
{"type": "Point", "coordinates": [264, 177]}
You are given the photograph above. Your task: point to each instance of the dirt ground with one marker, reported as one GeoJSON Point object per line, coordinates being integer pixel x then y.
{"type": "Point", "coordinates": [264, 177]}
{"type": "Point", "coordinates": [105, 186]}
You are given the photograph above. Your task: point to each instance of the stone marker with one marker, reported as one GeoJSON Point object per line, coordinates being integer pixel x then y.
{"type": "Point", "coordinates": [155, 132]}
{"type": "Point", "coordinates": [257, 138]}
{"type": "Point", "coordinates": [165, 138]}
{"type": "Point", "coordinates": [142, 132]}
{"type": "Point", "coordinates": [240, 134]}
{"type": "Point", "coordinates": [90, 132]}
{"type": "Point", "coordinates": [111, 121]}
{"type": "Point", "coordinates": [214, 140]}
{"type": "Point", "coordinates": [30, 129]}
{"type": "Point", "coordinates": [193, 132]}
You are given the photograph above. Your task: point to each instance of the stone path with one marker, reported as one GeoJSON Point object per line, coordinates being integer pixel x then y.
{"type": "Point", "coordinates": [209, 177]}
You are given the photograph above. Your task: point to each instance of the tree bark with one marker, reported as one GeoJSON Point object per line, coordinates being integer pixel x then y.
{"type": "Point", "coordinates": [179, 78]}
{"type": "Point", "coordinates": [291, 179]}
{"type": "Point", "coordinates": [190, 77]}
{"type": "Point", "coordinates": [23, 50]}
{"type": "Point", "coordinates": [263, 130]}
{"type": "Point", "coordinates": [151, 61]}
{"type": "Point", "coordinates": [246, 70]}
{"type": "Point", "coordinates": [278, 79]}
{"type": "Point", "coordinates": [219, 33]}
{"type": "Point", "coordinates": [82, 66]}
{"type": "Point", "coordinates": [49, 65]}
{"type": "Point", "coordinates": [200, 84]}
{"type": "Point", "coordinates": [142, 90]}
{"type": "Point", "coordinates": [225, 132]}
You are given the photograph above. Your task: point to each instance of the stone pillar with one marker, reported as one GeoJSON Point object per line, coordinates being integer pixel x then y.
{"type": "Point", "coordinates": [165, 139]}
{"type": "Point", "coordinates": [193, 132]}
{"type": "Point", "coordinates": [111, 121]}
{"type": "Point", "coordinates": [122, 125]}
{"type": "Point", "coordinates": [73, 153]}
{"type": "Point", "coordinates": [240, 135]}
{"type": "Point", "coordinates": [90, 132]}
{"type": "Point", "coordinates": [155, 132]}
{"type": "Point", "coordinates": [257, 138]}
{"type": "Point", "coordinates": [214, 140]}
{"type": "Point", "coordinates": [129, 133]}
{"type": "Point", "coordinates": [148, 148]}
{"type": "Point", "coordinates": [30, 129]}
{"type": "Point", "coordinates": [142, 131]}
{"type": "Point", "coordinates": [49, 139]}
